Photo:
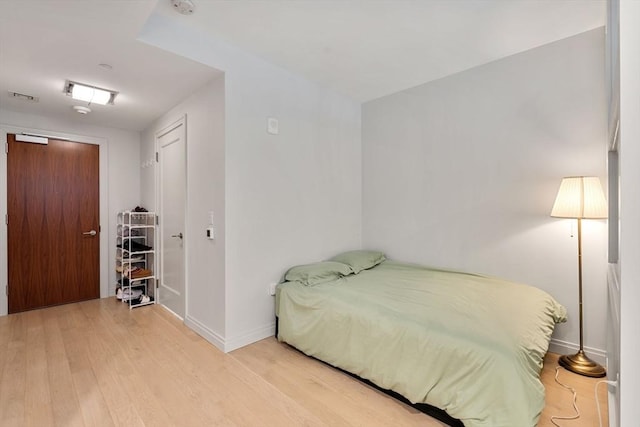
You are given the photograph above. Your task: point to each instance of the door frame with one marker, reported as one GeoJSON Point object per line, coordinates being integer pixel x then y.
{"type": "Point", "coordinates": [104, 207]}
{"type": "Point", "coordinates": [159, 238]}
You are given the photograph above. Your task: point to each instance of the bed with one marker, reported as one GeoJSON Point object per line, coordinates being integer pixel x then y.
{"type": "Point", "coordinates": [468, 344]}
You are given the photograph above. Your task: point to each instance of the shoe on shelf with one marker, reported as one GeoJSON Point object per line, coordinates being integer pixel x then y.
{"type": "Point", "coordinates": [139, 272]}
{"type": "Point", "coordinates": [145, 299]}
{"type": "Point", "coordinates": [130, 233]}
{"type": "Point", "coordinates": [131, 294]}
{"type": "Point", "coordinates": [133, 246]}
{"type": "Point", "coordinates": [128, 259]}
{"type": "Point", "coordinates": [119, 292]}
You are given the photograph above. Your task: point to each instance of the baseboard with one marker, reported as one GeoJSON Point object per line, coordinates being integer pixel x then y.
{"type": "Point", "coordinates": [227, 345]}
{"type": "Point", "coordinates": [206, 333]}
{"type": "Point", "coordinates": [250, 337]}
{"type": "Point", "coordinates": [565, 347]}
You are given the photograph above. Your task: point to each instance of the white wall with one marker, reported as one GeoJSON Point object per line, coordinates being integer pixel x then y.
{"type": "Point", "coordinates": [204, 112]}
{"type": "Point", "coordinates": [629, 212]}
{"type": "Point", "coordinates": [290, 198]}
{"type": "Point", "coordinates": [119, 186]}
{"type": "Point", "coordinates": [462, 172]}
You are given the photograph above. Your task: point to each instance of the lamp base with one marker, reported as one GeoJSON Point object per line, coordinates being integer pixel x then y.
{"type": "Point", "coordinates": [581, 364]}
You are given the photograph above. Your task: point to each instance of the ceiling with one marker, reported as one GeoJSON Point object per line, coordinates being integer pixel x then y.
{"type": "Point", "coordinates": [363, 49]}
{"type": "Point", "coordinates": [371, 48]}
{"type": "Point", "coordinates": [45, 42]}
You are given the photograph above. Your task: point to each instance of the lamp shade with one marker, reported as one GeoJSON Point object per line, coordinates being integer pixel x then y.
{"type": "Point", "coordinates": [580, 197]}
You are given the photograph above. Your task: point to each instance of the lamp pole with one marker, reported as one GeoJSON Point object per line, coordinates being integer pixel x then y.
{"type": "Point", "coordinates": [580, 281]}
{"type": "Point", "coordinates": [580, 362]}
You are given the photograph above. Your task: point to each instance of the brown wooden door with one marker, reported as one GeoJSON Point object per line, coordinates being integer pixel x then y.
{"type": "Point", "coordinates": [53, 198]}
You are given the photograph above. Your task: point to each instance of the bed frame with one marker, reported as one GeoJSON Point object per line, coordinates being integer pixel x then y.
{"type": "Point", "coordinates": [429, 410]}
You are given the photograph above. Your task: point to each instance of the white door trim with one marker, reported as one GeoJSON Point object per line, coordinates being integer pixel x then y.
{"type": "Point", "coordinates": [182, 121]}
{"type": "Point", "coordinates": [104, 204]}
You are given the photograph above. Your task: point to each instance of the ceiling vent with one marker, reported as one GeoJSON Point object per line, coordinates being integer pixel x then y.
{"type": "Point", "coordinates": [23, 97]}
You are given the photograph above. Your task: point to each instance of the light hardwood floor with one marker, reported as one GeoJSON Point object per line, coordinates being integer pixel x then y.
{"type": "Point", "coordinates": [98, 363]}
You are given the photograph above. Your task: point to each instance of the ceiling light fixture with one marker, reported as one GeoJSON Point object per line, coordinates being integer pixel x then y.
{"type": "Point", "coordinates": [90, 94]}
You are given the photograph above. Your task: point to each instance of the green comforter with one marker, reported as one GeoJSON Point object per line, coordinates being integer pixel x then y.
{"type": "Point", "coordinates": [468, 344]}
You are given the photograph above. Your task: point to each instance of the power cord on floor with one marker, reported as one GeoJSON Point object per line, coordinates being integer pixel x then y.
{"type": "Point", "coordinates": [613, 383]}
{"type": "Point", "coordinates": [575, 404]}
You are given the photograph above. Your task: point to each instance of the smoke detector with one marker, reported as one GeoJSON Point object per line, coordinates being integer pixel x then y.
{"type": "Point", "coordinates": [184, 7]}
{"type": "Point", "coordinates": [82, 110]}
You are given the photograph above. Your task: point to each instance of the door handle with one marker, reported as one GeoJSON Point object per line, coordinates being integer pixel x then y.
{"type": "Point", "coordinates": [179, 235]}
{"type": "Point", "coordinates": [90, 233]}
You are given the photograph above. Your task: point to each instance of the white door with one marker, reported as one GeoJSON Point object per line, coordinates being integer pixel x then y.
{"type": "Point", "coordinates": [171, 145]}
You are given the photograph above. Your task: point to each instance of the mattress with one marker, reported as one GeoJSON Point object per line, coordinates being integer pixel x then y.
{"type": "Point", "coordinates": [468, 344]}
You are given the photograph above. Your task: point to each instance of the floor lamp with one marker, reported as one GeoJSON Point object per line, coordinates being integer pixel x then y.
{"type": "Point", "coordinates": [580, 197]}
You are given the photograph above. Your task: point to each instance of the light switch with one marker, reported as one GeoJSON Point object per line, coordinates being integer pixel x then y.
{"type": "Point", "coordinates": [272, 125]}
